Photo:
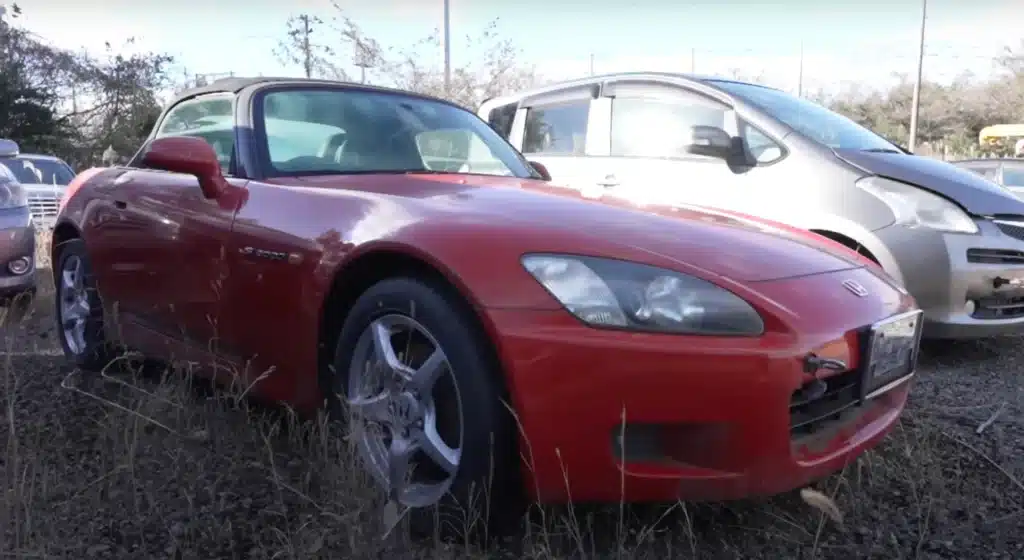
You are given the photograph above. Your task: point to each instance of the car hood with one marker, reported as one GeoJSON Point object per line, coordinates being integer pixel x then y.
{"type": "Point", "coordinates": [974, 193]}
{"type": "Point", "coordinates": [730, 245]}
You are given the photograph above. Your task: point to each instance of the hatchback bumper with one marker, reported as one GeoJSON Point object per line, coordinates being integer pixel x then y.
{"type": "Point", "coordinates": [969, 286]}
{"type": "Point", "coordinates": [17, 241]}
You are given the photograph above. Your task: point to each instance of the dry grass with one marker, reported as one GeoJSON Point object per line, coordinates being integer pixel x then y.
{"type": "Point", "coordinates": [144, 463]}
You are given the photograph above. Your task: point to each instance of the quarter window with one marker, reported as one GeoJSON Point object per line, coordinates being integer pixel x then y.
{"type": "Point", "coordinates": [557, 129]}
{"type": "Point", "coordinates": [659, 127]}
{"type": "Point", "coordinates": [761, 147]}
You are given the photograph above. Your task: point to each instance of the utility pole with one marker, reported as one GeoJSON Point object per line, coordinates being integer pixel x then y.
{"type": "Point", "coordinates": [693, 61]}
{"type": "Point", "coordinates": [591, 64]}
{"type": "Point", "coordinates": [447, 49]}
{"type": "Point", "coordinates": [916, 101]}
{"type": "Point", "coordinates": [800, 77]}
{"type": "Point", "coordinates": [307, 53]}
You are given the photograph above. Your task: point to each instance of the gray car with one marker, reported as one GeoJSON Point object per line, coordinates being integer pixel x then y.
{"type": "Point", "coordinates": [45, 179]}
{"type": "Point", "coordinates": [17, 234]}
{"type": "Point", "coordinates": [1007, 172]}
{"type": "Point", "coordinates": [954, 239]}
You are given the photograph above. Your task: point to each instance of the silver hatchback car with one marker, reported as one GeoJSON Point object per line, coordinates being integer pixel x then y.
{"type": "Point", "coordinates": [953, 239]}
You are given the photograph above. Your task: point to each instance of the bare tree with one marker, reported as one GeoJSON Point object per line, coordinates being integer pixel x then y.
{"type": "Point", "coordinates": [299, 48]}
{"type": "Point", "coordinates": [495, 67]}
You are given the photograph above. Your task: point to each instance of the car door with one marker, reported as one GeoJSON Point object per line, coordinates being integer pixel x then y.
{"type": "Point", "coordinates": [162, 243]}
{"type": "Point", "coordinates": [555, 129]}
{"type": "Point", "coordinates": [649, 161]}
{"type": "Point", "coordinates": [162, 250]}
{"type": "Point", "coordinates": [131, 236]}
{"type": "Point", "coordinates": [649, 133]}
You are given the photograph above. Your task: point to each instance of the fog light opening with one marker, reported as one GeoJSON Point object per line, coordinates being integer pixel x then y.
{"type": "Point", "coordinates": [20, 265]}
{"type": "Point", "coordinates": [969, 307]}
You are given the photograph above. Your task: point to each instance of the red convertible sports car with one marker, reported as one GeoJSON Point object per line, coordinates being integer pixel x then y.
{"type": "Point", "coordinates": [390, 257]}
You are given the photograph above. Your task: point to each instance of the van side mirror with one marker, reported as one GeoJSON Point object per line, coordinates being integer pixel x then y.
{"type": "Point", "coordinates": [710, 141]}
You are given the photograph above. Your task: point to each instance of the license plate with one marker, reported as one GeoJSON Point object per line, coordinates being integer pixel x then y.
{"type": "Point", "coordinates": [892, 351]}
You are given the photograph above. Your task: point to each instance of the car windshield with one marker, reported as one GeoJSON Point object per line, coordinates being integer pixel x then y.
{"type": "Point", "coordinates": [324, 131]}
{"type": "Point", "coordinates": [810, 119]}
{"type": "Point", "coordinates": [1013, 176]}
{"type": "Point", "coordinates": [31, 170]}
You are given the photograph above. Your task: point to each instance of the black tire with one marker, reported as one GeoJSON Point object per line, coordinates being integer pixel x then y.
{"type": "Point", "coordinates": [488, 474]}
{"type": "Point", "coordinates": [97, 352]}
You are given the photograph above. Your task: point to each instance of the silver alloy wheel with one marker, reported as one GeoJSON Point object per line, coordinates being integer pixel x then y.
{"type": "Point", "coordinates": [394, 414]}
{"type": "Point", "coordinates": [74, 303]}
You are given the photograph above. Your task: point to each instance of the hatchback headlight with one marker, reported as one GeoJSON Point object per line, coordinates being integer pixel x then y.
{"type": "Point", "coordinates": [915, 207]}
{"type": "Point", "coordinates": [619, 294]}
{"type": "Point", "coordinates": [12, 195]}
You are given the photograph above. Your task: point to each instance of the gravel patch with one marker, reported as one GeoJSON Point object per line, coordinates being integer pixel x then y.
{"type": "Point", "coordinates": [143, 464]}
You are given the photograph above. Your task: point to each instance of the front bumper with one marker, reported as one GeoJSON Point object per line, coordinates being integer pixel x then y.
{"type": "Point", "coordinates": [946, 271]}
{"type": "Point", "coordinates": [608, 416]}
{"type": "Point", "coordinates": [17, 240]}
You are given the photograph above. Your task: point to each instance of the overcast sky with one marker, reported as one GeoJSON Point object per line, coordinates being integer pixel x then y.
{"type": "Point", "coordinates": [844, 41]}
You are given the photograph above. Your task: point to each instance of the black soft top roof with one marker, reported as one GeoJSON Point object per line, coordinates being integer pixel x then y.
{"type": "Point", "coordinates": [237, 84]}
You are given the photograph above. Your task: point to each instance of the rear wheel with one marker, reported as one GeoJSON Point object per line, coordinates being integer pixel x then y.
{"type": "Point", "coordinates": [424, 407]}
{"type": "Point", "coordinates": [79, 310]}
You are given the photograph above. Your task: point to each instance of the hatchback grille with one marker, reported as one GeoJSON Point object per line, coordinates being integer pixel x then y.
{"type": "Point", "coordinates": [999, 307]}
{"type": "Point", "coordinates": [1014, 229]}
{"type": "Point", "coordinates": [807, 415]}
{"type": "Point", "coordinates": [995, 256]}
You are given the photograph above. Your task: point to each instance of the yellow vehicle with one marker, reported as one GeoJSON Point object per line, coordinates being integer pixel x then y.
{"type": "Point", "coordinates": [1001, 138]}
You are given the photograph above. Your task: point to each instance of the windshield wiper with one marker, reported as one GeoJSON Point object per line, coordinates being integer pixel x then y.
{"type": "Point", "coordinates": [882, 151]}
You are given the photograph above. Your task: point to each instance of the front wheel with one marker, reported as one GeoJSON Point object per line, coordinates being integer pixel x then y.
{"type": "Point", "coordinates": [79, 311]}
{"type": "Point", "coordinates": [424, 406]}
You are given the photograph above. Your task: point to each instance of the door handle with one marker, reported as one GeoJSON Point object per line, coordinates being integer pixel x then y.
{"type": "Point", "coordinates": [608, 181]}
{"type": "Point", "coordinates": [120, 204]}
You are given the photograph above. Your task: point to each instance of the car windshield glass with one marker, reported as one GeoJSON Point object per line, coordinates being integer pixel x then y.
{"type": "Point", "coordinates": [1013, 176]}
{"type": "Point", "coordinates": [324, 131]}
{"type": "Point", "coordinates": [31, 170]}
{"type": "Point", "coordinates": [810, 119]}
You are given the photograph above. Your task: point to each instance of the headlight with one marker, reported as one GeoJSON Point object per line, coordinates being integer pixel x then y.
{"type": "Point", "coordinates": [611, 293]}
{"type": "Point", "coordinates": [916, 207]}
{"type": "Point", "coordinates": [12, 195]}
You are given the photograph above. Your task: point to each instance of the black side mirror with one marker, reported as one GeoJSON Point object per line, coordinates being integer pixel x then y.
{"type": "Point", "coordinates": [545, 175]}
{"type": "Point", "coordinates": [710, 141]}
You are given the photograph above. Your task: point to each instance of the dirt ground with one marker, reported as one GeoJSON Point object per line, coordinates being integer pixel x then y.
{"type": "Point", "coordinates": [142, 464]}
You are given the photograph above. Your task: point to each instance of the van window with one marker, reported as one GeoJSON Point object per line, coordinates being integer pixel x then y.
{"type": "Point", "coordinates": [557, 129]}
{"type": "Point", "coordinates": [1013, 176]}
{"type": "Point", "coordinates": [500, 119]}
{"type": "Point", "coordinates": [986, 170]}
{"type": "Point", "coordinates": [660, 127]}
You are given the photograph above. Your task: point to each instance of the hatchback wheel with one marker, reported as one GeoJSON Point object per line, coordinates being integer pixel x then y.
{"type": "Point", "coordinates": [79, 311]}
{"type": "Point", "coordinates": [423, 403]}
